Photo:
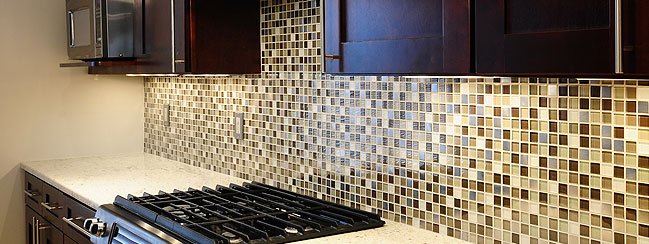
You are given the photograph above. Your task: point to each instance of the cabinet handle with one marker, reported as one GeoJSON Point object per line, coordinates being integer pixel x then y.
{"type": "Point", "coordinates": [618, 37]}
{"type": "Point", "coordinates": [34, 236]}
{"type": "Point", "coordinates": [50, 208]}
{"type": "Point", "coordinates": [31, 193]}
{"type": "Point", "coordinates": [329, 56]}
{"type": "Point", "coordinates": [37, 240]}
{"type": "Point", "coordinates": [43, 227]}
{"type": "Point", "coordinates": [76, 227]}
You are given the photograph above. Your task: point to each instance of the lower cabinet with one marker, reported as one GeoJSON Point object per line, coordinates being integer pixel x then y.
{"type": "Point", "coordinates": [49, 214]}
{"type": "Point", "coordinates": [40, 230]}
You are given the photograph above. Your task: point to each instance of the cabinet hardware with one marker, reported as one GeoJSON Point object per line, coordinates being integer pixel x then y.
{"type": "Point", "coordinates": [33, 230]}
{"type": "Point", "coordinates": [328, 56]}
{"type": "Point", "coordinates": [32, 193]}
{"type": "Point", "coordinates": [43, 227]}
{"type": "Point", "coordinates": [619, 69]}
{"type": "Point", "coordinates": [37, 232]}
{"type": "Point", "coordinates": [50, 208]}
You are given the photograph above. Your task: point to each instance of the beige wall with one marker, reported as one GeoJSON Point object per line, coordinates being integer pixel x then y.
{"type": "Point", "coordinates": [51, 112]}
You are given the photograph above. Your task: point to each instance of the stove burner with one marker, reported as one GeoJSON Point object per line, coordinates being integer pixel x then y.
{"type": "Point", "coordinates": [252, 213]}
{"type": "Point", "coordinates": [291, 230]}
{"type": "Point", "coordinates": [232, 237]}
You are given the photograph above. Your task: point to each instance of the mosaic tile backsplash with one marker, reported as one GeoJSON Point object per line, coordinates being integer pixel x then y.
{"type": "Point", "coordinates": [486, 160]}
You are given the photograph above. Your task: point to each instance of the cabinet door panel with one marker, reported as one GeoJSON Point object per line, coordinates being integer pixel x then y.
{"type": "Point", "coordinates": [558, 52]}
{"type": "Point", "coordinates": [153, 37]}
{"type": "Point", "coordinates": [48, 233]}
{"type": "Point", "coordinates": [226, 42]}
{"type": "Point", "coordinates": [67, 240]}
{"type": "Point", "coordinates": [369, 20]}
{"type": "Point", "coordinates": [544, 37]}
{"type": "Point", "coordinates": [396, 56]}
{"type": "Point", "coordinates": [397, 36]}
{"type": "Point", "coordinates": [635, 22]}
{"type": "Point", "coordinates": [30, 220]}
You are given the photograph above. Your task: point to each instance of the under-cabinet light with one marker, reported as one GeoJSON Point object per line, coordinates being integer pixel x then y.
{"type": "Point", "coordinates": [205, 75]}
{"type": "Point", "coordinates": [628, 79]}
{"type": "Point", "coordinates": [450, 77]}
{"type": "Point", "coordinates": [152, 75]}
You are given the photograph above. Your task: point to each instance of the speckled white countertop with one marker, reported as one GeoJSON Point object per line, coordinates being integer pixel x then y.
{"type": "Point", "coordinates": [97, 180]}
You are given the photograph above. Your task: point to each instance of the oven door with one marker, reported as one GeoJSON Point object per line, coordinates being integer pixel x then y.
{"type": "Point", "coordinates": [84, 18]}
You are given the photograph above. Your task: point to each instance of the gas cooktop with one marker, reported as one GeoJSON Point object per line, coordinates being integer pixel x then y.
{"type": "Point", "coordinates": [252, 213]}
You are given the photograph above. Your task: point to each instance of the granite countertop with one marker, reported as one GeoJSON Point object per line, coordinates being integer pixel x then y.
{"type": "Point", "coordinates": [97, 180]}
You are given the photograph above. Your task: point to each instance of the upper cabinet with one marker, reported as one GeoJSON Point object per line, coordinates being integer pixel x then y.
{"type": "Point", "coordinates": [635, 37]}
{"type": "Point", "coordinates": [397, 36]}
{"type": "Point", "coordinates": [563, 37]}
{"type": "Point", "coordinates": [193, 37]}
{"type": "Point", "coordinates": [607, 38]}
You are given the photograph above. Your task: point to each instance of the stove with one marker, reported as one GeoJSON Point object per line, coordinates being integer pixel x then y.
{"type": "Point", "coordinates": [250, 213]}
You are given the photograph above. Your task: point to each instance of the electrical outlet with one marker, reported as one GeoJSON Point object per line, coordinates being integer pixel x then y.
{"type": "Point", "coordinates": [165, 115]}
{"type": "Point", "coordinates": [238, 126]}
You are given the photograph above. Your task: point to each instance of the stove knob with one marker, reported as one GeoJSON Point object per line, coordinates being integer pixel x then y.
{"type": "Point", "coordinates": [98, 228]}
{"type": "Point", "coordinates": [88, 222]}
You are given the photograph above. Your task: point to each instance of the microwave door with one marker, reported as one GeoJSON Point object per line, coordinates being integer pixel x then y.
{"type": "Point", "coordinates": [80, 28]}
{"type": "Point", "coordinates": [83, 41]}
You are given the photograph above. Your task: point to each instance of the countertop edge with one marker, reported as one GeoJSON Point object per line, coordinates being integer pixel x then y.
{"type": "Point", "coordinates": [79, 197]}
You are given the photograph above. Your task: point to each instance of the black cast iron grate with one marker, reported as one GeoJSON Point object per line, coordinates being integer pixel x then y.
{"type": "Point", "coordinates": [252, 213]}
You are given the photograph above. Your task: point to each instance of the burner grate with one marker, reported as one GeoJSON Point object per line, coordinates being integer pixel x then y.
{"type": "Point", "coordinates": [252, 213]}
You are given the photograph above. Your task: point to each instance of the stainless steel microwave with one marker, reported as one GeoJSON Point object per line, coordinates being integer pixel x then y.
{"type": "Point", "coordinates": [100, 29]}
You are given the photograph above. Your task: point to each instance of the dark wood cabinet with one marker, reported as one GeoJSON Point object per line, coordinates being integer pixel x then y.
{"type": "Point", "coordinates": [635, 37]}
{"type": "Point", "coordinates": [39, 230]}
{"type": "Point", "coordinates": [561, 37]}
{"type": "Point", "coordinates": [45, 211]}
{"type": "Point", "coordinates": [544, 37]}
{"type": "Point", "coordinates": [192, 37]}
{"type": "Point", "coordinates": [397, 37]}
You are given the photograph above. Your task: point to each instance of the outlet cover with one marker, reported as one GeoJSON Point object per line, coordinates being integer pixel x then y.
{"type": "Point", "coordinates": [165, 115]}
{"type": "Point", "coordinates": [238, 126]}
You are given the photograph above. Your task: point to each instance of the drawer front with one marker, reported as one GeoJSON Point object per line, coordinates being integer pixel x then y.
{"type": "Point", "coordinates": [67, 240]}
{"type": "Point", "coordinates": [33, 192]}
{"type": "Point", "coordinates": [53, 205]}
{"type": "Point", "coordinates": [77, 213]}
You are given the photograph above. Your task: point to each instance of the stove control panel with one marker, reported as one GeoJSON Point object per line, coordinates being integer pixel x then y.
{"type": "Point", "coordinates": [95, 226]}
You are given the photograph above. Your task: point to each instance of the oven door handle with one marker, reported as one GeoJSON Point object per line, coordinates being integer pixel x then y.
{"type": "Point", "coordinates": [76, 227]}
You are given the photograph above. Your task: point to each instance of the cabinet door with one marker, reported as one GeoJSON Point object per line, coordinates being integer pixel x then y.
{"type": "Point", "coordinates": [40, 230]}
{"type": "Point", "coordinates": [397, 36]}
{"type": "Point", "coordinates": [48, 233]}
{"type": "Point", "coordinates": [545, 37]}
{"type": "Point", "coordinates": [635, 36]}
{"type": "Point", "coordinates": [159, 37]}
{"type": "Point", "coordinates": [67, 240]}
{"type": "Point", "coordinates": [224, 37]}
{"type": "Point", "coordinates": [30, 221]}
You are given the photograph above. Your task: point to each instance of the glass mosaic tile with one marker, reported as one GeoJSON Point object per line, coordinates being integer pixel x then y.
{"type": "Point", "coordinates": [485, 160]}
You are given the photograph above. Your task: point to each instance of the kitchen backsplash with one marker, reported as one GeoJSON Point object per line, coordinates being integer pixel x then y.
{"type": "Point", "coordinates": [486, 160]}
